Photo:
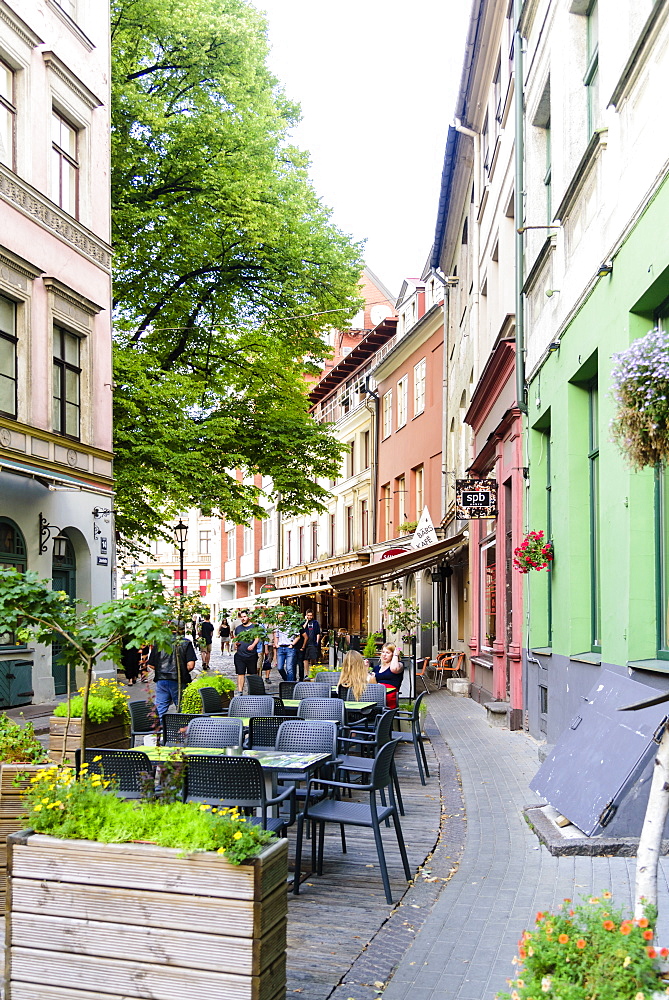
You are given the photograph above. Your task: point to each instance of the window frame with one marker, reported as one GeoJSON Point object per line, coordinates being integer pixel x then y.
{"type": "Point", "coordinates": [402, 401]}
{"type": "Point", "coordinates": [12, 338]}
{"type": "Point", "coordinates": [488, 543]}
{"type": "Point", "coordinates": [62, 366]}
{"type": "Point", "coordinates": [594, 509]}
{"type": "Point", "coordinates": [63, 156]}
{"type": "Point", "coordinates": [419, 386]}
{"type": "Point", "coordinates": [16, 558]}
{"type": "Point", "coordinates": [387, 414]}
{"type": "Point", "coordinates": [9, 104]}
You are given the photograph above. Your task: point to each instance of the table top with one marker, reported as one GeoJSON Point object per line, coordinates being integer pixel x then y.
{"type": "Point", "coordinates": [357, 706]}
{"type": "Point", "coordinates": [270, 760]}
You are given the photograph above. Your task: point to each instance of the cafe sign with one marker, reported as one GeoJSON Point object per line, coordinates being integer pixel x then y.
{"type": "Point", "coordinates": [475, 498]}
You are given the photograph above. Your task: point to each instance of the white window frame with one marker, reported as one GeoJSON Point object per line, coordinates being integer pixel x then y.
{"type": "Point", "coordinates": [402, 400]}
{"type": "Point", "coordinates": [387, 414]}
{"type": "Point", "coordinates": [419, 372]}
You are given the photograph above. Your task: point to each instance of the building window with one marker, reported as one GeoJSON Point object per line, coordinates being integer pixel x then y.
{"type": "Point", "coordinates": [205, 582]}
{"type": "Point", "coordinates": [248, 539]}
{"type": "Point", "coordinates": [419, 388]}
{"type": "Point", "coordinates": [289, 548]}
{"type": "Point", "coordinates": [401, 494]}
{"type": "Point", "coordinates": [365, 450]}
{"type": "Point", "coordinates": [387, 413]}
{"type": "Point", "coordinates": [364, 523]}
{"type": "Point", "coordinates": [402, 390]}
{"type": "Point", "coordinates": [349, 528]}
{"type": "Point", "coordinates": [66, 383]}
{"type": "Point", "coordinates": [548, 176]}
{"type": "Point", "coordinates": [13, 555]}
{"type": "Point", "coordinates": [385, 510]}
{"type": "Point", "coordinates": [595, 564]}
{"type": "Point", "coordinates": [418, 483]}
{"type": "Point", "coordinates": [205, 541]}
{"type": "Point", "coordinates": [232, 543]}
{"type": "Point", "coordinates": [488, 595]}
{"type": "Point", "coordinates": [351, 458]}
{"type": "Point", "coordinates": [332, 533]}
{"type": "Point", "coordinates": [591, 78]}
{"type": "Point", "coordinates": [314, 541]}
{"type": "Point", "coordinates": [267, 532]}
{"type": "Point", "coordinates": [300, 545]}
{"type": "Point", "coordinates": [64, 164]}
{"type": "Point", "coordinates": [7, 115]}
{"type": "Point", "coordinates": [8, 342]}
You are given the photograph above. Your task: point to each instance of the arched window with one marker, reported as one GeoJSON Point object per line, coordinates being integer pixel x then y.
{"type": "Point", "coordinates": [12, 554]}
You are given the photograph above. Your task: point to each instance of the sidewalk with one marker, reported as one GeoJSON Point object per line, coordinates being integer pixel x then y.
{"type": "Point", "coordinates": [464, 948]}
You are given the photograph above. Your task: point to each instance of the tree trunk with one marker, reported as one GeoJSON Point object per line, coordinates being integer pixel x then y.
{"type": "Point", "coordinates": [650, 841]}
{"type": "Point", "coordinates": [84, 703]}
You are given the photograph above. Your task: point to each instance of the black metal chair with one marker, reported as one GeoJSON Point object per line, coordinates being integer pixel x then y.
{"type": "Point", "coordinates": [206, 732]}
{"type": "Point", "coordinates": [128, 769]}
{"type": "Point", "coordinates": [415, 736]}
{"type": "Point", "coordinates": [143, 720]}
{"type": "Point", "coordinates": [308, 689]}
{"type": "Point", "coordinates": [286, 689]}
{"type": "Point", "coordinates": [263, 731]}
{"type": "Point", "coordinates": [364, 814]}
{"type": "Point", "coordinates": [237, 782]}
{"type": "Point", "coordinates": [245, 706]}
{"type": "Point", "coordinates": [323, 709]}
{"type": "Point", "coordinates": [369, 743]}
{"type": "Point", "coordinates": [255, 684]}
{"type": "Point", "coordinates": [174, 727]}
{"type": "Point", "coordinates": [211, 700]}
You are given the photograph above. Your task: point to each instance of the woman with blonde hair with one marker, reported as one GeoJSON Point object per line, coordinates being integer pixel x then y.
{"type": "Point", "coordinates": [354, 675]}
{"type": "Point", "coordinates": [389, 673]}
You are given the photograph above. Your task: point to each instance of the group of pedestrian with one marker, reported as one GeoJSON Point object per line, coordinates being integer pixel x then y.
{"type": "Point", "coordinates": [293, 650]}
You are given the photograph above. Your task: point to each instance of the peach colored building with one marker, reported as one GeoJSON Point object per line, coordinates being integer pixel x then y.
{"type": "Point", "coordinates": [55, 340]}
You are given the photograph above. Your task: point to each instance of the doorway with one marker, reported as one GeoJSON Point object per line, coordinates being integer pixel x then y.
{"type": "Point", "coordinates": [63, 577]}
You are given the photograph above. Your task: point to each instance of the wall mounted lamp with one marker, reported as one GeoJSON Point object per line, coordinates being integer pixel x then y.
{"type": "Point", "coordinates": [550, 292]}
{"type": "Point", "coordinates": [605, 268]}
{"type": "Point", "coordinates": [46, 532]}
{"type": "Point", "coordinates": [555, 346]}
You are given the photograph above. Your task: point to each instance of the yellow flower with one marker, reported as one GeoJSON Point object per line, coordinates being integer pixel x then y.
{"type": "Point", "coordinates": [37, 809]}
{"type": "Point", "coordinates": [237, 836]}
{"type": "Point", "coordinates": [95, 759]}
{"type": "Point", "coordinates": [628, 961]}
{"type": "Point", "coordinates": [204, 808]}
{"type": "Point", "coordinates": [44, 801]}
{"type": "Point", "coordinates": [640, 996]}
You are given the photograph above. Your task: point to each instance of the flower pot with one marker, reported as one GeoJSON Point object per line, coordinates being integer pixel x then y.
{"type": "Point", "coordinates": [14, 778]}
{"type": "Point", "coordinates": [113, 733]}
{"type": "Point", "coordinates": [146, 919]}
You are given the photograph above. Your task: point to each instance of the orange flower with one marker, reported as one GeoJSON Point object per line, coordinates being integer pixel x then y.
{"type": "Point", "coordinates": [606, 895]}
{"type": "Point", "coordinates": [647, 935]}
{"type": "Point", "coordinates": [651, 952]}
{"type": "Point", "coordinates": [540, 916]}
{"type": "Point", "coordinates": [643, 922]}
{"type": "Point", "coordinates": [625, 928]}
{"type": "Point", "coordinates": [608, 925]}
{"type": "Point", "coordinates": [664, 952]}
{"type": "Point", "coordinates": [522, 954]}
{"type": "Point", "coordinates": [580, 944]}
{"type": "Point", "coordinates": [571, 913]}
{"type": "Point", "coordinates": [563, 938]}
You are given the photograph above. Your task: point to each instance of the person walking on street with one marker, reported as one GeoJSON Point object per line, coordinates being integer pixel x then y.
{"type": "Point", "coordinates": [207, 635]}
{"type": "Point", "coordinates": [172, 670]}
{"type": "Point", "coordinates": [246, 655]}
{"type": "Point", "coordinates": [287, 641]}
{"type": "Point", "coordinates": [312, 630]}
{"type": "Point", "coordinates": [224, 635]}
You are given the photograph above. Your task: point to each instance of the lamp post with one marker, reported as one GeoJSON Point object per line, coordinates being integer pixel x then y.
{"type": "Point", "coordinates": [180, 531]}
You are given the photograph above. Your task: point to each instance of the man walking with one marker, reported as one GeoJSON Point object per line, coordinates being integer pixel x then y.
{"type": "Point", "coordinates": [312, 631]}
{"type": "Point", "coordinates": [172, 669]}
{"type": "Point", "coordinates": [287, 640]}
{"type": "Point", "coordinates": [246, 655]}
{"type": "Point", "coordinates": [207, 634]}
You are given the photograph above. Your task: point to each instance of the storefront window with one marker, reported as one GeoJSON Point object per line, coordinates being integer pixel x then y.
{"type": "Point", "coordinates": [488, 594]}
{"type": "Point", "coordinates": [12, 555]}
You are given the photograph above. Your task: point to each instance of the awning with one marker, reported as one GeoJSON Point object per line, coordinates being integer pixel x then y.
{"type": "Point", "coordinates": [47, 476]}
{"type": "Point", "coordinates": [396, 566]}
{"type": "Point", "coordinates": [274, 596]}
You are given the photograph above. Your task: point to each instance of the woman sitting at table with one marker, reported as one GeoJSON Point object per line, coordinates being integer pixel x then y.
{"type": "Point", "coordinates": [354, 675]}
{"type": "Point", "coordinates": [389, 672]}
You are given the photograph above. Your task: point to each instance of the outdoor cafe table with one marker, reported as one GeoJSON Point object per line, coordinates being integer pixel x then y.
{"type": "Point", "coordinates": [349, 706]}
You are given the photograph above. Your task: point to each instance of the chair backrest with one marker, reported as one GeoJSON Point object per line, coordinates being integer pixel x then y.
{"type": "Point", "coordinates": [322, 708]}
{"type": "Point", "coordinates": [143, 718]}
{"type": "Point", "coordinates": [416, 707]}
{"type": "Point", "coordinates": [228, 781]}
{"type": "Point", "coordinates": [211, 700]}
{"type": "Point", "coordinates": [245, 706]}
{"type": "Point", "coordinates": [263, 730]}
{"type": "Point", "coordinates": [381, 776]}
{"type": "Point", "coordinates": [127, 768]}
{"type": "Point", "coordinates": [302, 736]}
{"type": "Point", "coordinates": [309, 689]}
{"type": "Point", "coordinates": [205, 732]}
{"type": "Point", "coordinates": [425, 664]}
{"type": "Point", "coordinates": [384, 727]}
{"type": "Point", "coordinates": [174, 727]}
{"type": "Point", "coordinates": [286, 689]}
{"type": "Point", "coordinates": [330, 677]}
{"type": "Point", "coordinates": [372, 692]}
{"type": "Point", "coordinates": [255, 684]}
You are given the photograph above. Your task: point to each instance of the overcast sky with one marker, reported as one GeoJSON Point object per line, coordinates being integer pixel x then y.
{"type": "Point", "coordinates": [377, 82]}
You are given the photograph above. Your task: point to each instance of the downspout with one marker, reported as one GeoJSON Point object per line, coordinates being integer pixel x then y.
{"type": "Point", "coordinates": [518, 205]}
{"type": "Point", "coordinates": [374, 410]}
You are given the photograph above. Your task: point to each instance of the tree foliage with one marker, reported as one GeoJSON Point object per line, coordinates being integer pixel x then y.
{"type": "Point", "coordinates": [228, 269]}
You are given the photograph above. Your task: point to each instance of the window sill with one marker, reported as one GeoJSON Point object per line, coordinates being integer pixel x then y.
{"type": "Point", "coordinates": [543, 651]}
{"type": "Point", "coordinates": [594, 658]}
{"type": "Point", "coordinates": [654, 666]}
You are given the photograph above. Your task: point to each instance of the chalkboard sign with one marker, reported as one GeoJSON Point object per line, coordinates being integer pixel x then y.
{"type": "Point", "coordinates": [475, 498]}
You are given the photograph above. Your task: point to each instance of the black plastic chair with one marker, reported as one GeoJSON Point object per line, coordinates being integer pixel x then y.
{"type": "Point", "coordinates": [415, 736]}
{"type": "Point", "coordinates": [212, 702]}
{"type": "Point", "coordinates": [373, 692]}
{"type": "Point", "coordinates": [245, 706]}
{"type": "Point", "coordinates": [322, 708]}
{"type": "Point", "coordinates": [343, 812]}
{"type": "Point", "coordinates": [309, 736]}
{"type": "Point", "coordinates": [255, 684]}
{"type": "Point", "coordinates": [143, 720]}
{"type": "Point", "coordinates": [263, 731]}
{"type": "Point", "coordinates": [308, 689]}
{"type": "Point", "coordinates": [206, 732]}
{"type": "Point", "coordinates": [128, 769]}
{"type": "Point", "coordinates": [237, 782]}
{"type": "Point", "coordinates": [174, 727]}
{"type": "Point", "coordinates": [369, 743]}
{"type": "Point", "coordinates": [330, 677]}
{"type": "Point", "coordinates": [286, 689]}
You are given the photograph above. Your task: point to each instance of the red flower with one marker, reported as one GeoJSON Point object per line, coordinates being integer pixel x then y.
{"type": "Point", "coordinates": [608, 925]}
{"type": "Point", "coordinates": [580, 944]}
{"type": "Point", "coordinates": [563, 938]}
{"type": "Point", "coordinates": [651, 952]}
{"type": "Point", "coordinates": [647, 935]}
{"type": "Point", "coordinates": [643, 922]}
{"type": "Point", "coordinates": [625, 928]}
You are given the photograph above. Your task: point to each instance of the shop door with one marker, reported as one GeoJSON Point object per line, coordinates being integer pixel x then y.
{"type": "Point", "coordinates": [63, 577]}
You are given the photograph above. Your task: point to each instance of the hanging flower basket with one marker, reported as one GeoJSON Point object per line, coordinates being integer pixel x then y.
{"type": "Point", "coordinates": [534, 552]}
{"type": "Point", "coordinates": [640, 385]}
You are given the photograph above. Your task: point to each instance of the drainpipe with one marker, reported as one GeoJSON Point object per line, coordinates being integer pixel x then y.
{"type": "Point", "coordinates": [374, 410]}
{"type": "Point", "coordinates": [518, 206]}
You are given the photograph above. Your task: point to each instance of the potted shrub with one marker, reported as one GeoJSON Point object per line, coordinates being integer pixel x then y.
{"type": "Point", "coordinates": [534, 552]}
{"type": "Point", "coordinates": [108, 720]}
{"type": "Point", "coordinates": [640, 382]}
{"type": "Point", "coordinates": [408, 527]}
{"type": "Point", "coordinates": [190, 699]}
{"type": "Point", "coordinates": [92, 860]}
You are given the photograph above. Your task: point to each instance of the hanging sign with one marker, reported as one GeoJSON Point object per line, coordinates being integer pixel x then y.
{"type": "Point", "coordinates": [424, 533]}
{"type": "Point", "coordinates": [475, 498]}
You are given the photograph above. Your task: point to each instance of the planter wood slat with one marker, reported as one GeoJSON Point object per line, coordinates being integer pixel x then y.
{"type": "Point", "coordinates": [113, 733]}
{"type": "Point", "coordinates": [238, 918]}
{"type": "Point", "coordinates": [95, 913]}
{"type": "Point", "coordinates": [14, 779]}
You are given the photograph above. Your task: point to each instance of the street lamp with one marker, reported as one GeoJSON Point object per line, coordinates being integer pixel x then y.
{"type": "Point", "coordinates": [180, 531]}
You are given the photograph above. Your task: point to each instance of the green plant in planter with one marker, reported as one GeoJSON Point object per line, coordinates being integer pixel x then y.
{"type": "Point", "coordinates": [18, 744]}
{"type": "Point", "coordinates": [190, 699]}
{"type": "Point", "coordinates": [370, 645]}
{"type": "Point", "coordinates": [106, 700]}
{"type": "Point", "coordinates": [61, 805]}
{"type": "Point", "coordinates": [407, 527]}
{"type": "Point", "coordinates": [591, 950]}
{"type": "Point", "coordinates": [403, 616]}
{"type": "Point", "coordinates": [640, 383]}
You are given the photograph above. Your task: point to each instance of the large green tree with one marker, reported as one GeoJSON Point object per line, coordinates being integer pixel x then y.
{"type": "Point", "coordinates": [228, 269]}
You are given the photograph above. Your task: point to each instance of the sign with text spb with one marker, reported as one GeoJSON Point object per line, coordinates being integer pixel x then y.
{"type": "Point", "coordinates": [475, 498]}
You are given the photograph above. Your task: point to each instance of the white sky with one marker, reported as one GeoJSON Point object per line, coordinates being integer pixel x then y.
{"type": "Point", "coordinates": [377, 81]}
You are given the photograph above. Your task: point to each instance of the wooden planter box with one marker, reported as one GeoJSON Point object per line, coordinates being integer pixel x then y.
{"type": "Point", "coordinates": [114, 733]}
{"type": "Point", "coordinates": [11, 808]}
{"type": "Point", "coordinates": [144, 921]}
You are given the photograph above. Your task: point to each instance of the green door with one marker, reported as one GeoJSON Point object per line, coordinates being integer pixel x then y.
{"type": "Point", "coordinates": [63, 577]}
